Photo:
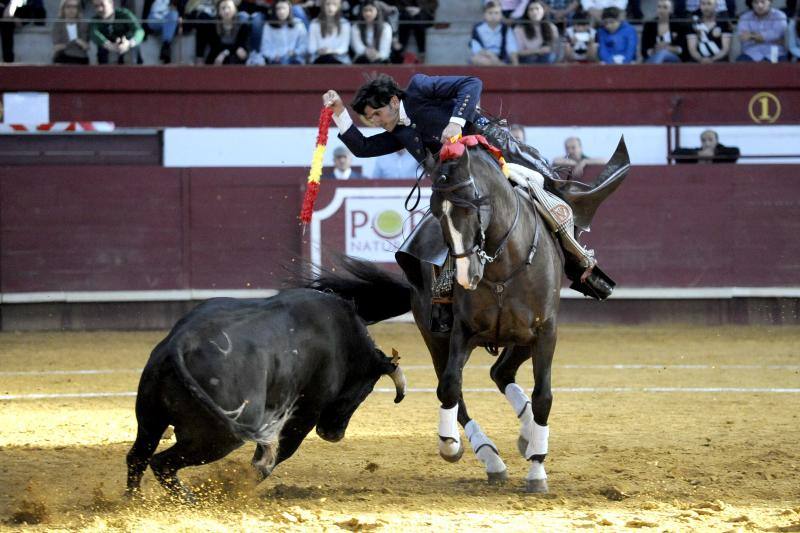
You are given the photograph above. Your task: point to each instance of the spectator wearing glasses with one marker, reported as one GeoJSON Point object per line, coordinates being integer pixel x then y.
{"type": "Point", "coordinates": [70, 35]}
{"type": "Point", "coordinates": [117, 34]}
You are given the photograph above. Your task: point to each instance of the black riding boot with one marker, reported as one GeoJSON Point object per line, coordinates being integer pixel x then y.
{"type": "Point", "coordinates": [598, 285]}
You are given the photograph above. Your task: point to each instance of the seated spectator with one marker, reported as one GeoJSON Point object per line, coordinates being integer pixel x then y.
{"type": "Point", "coordinates": [117, 34]}
{"type": "Point", "coordinates": [710, 151]}
{"type": "Point", "coordinates": [70, 35]}
{"type": "Point", "coordinates": [329, 35]}
{"type": "Point", "coordinates": [227, 40]}
{"type": "Point", "coordinates": [371, 36]}
{"type": "Point", "coordinates": [663, 39]}
{"type": "Point", "coordinates": [517, 131]}
{"type": "Point", "coordinates": [561, 11]}
{"type": "Point", "coordinates": [282, 41]}
{"type": "Point", "coordinates": [17, 9]}
{"type": "Point", "coordinates": [537, 39]}
{"type": "Point", "coordinates": [199, 15]}
{"type": "Point", "coordinates": [575, 160]}
{"type": "Point", "coordinates": [580, 40]}
{"type": "Point", "coordinates": [725, 9]}
{"type": "Point", "coordinates": [616, 39]}
{"type": "Point", "coordinates": [399, 165]}
{"type": "Point", "coordinates": [342, 169]}
{"type": "Point", "coordinates": [709, 40]}
{"type": "Point", "coordinates": [163, 20]}
{"type": "Point", "coordinates": [512, 9]}
{"type": "Point", "coordinates": [595, 8]}
{"type": "Point", "coordinates": [493, 43]}
{"type": "Point", "coordinates": [793, 37]}
{"type": "Point", "coordinates": [415, 17]}
{"type": "Point", "coordinates": [762, 32]}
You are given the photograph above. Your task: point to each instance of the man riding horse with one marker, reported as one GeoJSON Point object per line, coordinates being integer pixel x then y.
{"type": "Point", "coordinates": [434, 110]}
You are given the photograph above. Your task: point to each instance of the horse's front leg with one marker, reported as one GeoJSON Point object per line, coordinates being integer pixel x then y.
{"type": "Point", "coordinates": [449, 393]}
{"type": "Point", "coordinates": [541, 401]}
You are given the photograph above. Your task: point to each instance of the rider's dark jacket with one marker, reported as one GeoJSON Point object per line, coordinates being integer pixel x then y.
{"type": "Point", "coordinates": [430, 102]}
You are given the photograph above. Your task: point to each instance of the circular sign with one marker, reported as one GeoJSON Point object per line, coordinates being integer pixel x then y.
{"type": "Point", "coordinates": [764, 108]}
{"type": "Point", "coordinates": [388, 224]}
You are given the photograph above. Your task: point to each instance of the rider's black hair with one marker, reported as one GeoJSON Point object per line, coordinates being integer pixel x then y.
{"type": "Point", "coordinates": [376, 93]}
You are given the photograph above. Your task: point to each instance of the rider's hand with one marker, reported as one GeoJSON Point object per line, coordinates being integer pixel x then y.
{"type": "Point", "coordinates": [452, 130]}
{"type": "Point", "coordinates": [333, 100]}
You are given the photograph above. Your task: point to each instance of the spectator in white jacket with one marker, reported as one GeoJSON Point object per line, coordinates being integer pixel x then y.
{"type": "Point", "coordinates": [371, 36]}
{"type": "Point", "coordinates": [329, 35]}
{"type": "Point", "coordinates": [283, 40]}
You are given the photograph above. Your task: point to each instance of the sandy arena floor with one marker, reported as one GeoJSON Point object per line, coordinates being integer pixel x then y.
{"type": "Point", "coordinates": [678, 428]}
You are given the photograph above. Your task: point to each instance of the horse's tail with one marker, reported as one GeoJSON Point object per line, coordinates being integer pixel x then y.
{"type": "Point", "coordinates": [377, 294]}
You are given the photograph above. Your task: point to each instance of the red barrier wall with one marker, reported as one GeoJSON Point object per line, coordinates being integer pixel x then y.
{"type": "Point", "coordinates": [145, 228]}
{"type": "Point", "coordinates": [138, 228]}
{"type": "Point", "coordinates": [291, 96]}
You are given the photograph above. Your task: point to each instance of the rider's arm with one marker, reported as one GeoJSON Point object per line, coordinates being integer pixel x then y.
{"type": "Point", "coordinates": [465, 90]}
{"type": "Point", "coordinates": [381, 144]}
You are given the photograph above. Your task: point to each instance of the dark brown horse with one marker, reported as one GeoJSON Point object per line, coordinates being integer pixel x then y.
{"type": "Point", "coordinates": [509, 269]}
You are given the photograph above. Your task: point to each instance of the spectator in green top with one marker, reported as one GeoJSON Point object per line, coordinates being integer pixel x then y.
{"type": "Point", "coordinates": [116, 32]}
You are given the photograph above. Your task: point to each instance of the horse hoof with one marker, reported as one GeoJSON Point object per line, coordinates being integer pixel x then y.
{"type": "Point", "coordinates": [497, 478]}
{"type": "Point", "coordinates": [536, 486]}
{"type": "Point", "coordinates": [453, 457]}
{"type": "Point", "coordinates": [522, 446]}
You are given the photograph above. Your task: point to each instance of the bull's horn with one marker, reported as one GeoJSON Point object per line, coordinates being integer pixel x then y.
{"type": "Point", "coordinates": [399, 384]}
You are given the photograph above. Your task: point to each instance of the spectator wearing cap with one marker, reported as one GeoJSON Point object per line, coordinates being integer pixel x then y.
{"type": "Point", "coordinates": [493, 43]}
{"type": "Point", "coordinates": [342, 169]}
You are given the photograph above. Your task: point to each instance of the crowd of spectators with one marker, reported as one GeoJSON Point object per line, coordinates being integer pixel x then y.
{"type": "Point", "coordinates": [688, 31]}
{"type": "Point", "coordinates": [513, 32]}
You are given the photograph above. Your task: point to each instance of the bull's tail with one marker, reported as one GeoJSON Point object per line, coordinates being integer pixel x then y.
{"type": "Point", "coordinates": [265, 431]}
{"type": "Point", "coordinates": [377, 294]}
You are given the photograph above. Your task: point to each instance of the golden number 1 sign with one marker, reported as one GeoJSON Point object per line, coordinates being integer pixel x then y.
{"type": "Point", "coordinates": [764, 108]}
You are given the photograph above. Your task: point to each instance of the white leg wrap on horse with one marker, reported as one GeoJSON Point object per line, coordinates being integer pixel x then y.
{"type": "Point", "coordinates": [484, 448]}
{"type": "Point", "coordinates": [448, 429]}
{"type": "Point", "coordinates": [517, 398]}
{"type": "Point", "coordinates": [536, 471]}
{"type": "Point", "coordinates": [537, 445]}
{"type": "Point", "coordinates": [448, 423]}
{"type": "Point", "coordinates": [522, 408]}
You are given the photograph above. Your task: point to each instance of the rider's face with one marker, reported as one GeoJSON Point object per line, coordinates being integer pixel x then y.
{"type": "Point", "coordinates": [385, 117]}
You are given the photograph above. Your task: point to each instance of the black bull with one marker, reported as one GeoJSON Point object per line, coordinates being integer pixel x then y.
{"type": "Point", "coordinates": [262, 370]}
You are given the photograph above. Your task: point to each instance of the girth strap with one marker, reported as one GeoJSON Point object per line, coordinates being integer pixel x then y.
{"type": "Point", "coordinates": [499, 287]}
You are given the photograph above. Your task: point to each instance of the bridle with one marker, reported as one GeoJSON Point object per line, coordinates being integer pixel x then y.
{"type": "Point", "coordinates": [479, 248]}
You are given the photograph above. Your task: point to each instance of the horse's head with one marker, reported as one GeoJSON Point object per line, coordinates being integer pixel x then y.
{"type": "Point", "coordinates": [464, 213]}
